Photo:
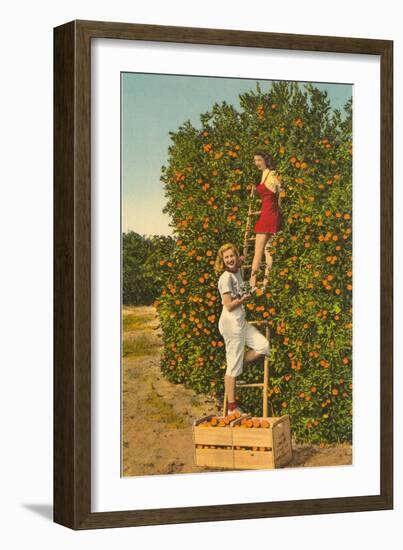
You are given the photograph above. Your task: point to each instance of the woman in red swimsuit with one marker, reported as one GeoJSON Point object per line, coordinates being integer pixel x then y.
{"type": "Point", "coordinates": [269, 221]}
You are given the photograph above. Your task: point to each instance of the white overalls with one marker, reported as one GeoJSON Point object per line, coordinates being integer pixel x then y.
{"type": "Point", "coordinates": [234, 328]}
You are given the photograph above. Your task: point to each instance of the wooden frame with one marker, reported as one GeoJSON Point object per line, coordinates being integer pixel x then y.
{"type": "Point", "coordinates": [72, 269]}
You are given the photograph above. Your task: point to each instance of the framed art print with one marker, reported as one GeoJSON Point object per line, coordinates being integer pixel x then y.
{"type": "Point", "coordinates": [223, 274]}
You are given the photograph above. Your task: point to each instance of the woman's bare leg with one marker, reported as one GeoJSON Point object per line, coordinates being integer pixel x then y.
{"type": "Point", "coordinates": [268, 260]}
{"type": "Point", "coordinates": [229, 382]}
{"type": "Point", "coordinates": [260, 242]}
{"type": "Point", "coordinates": [250, 356]}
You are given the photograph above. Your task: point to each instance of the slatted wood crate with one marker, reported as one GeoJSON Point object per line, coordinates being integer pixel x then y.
{"type": "Point", "coordinates": [265, 444]}
{"type": "Point", "coordinates": [239, 446]}
{"type": "Point", "coordinates": [212, 445]}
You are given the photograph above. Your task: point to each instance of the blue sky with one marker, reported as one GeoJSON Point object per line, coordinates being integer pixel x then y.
{"type": "Point", "coordinates": [154, 104]}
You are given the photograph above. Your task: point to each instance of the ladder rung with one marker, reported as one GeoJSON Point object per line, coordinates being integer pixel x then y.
{"type": "Point", "coordinates": [257, 322]}
{"type": "Point", "coordinates": [240, 384]}
{"type": "Point", "coordinates": [254, 212]}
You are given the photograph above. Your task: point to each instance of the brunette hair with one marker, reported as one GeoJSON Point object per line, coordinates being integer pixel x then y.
{"type": "Point", "coordinates": [219, 265]}
{"type": "Point", "coordinates": [270, 163]}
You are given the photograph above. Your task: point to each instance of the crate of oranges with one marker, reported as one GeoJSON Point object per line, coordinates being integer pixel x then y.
{"type": "Point", "coordinates": [261, 442]}
{"type": "Point", "coordinates": [242, 442]}
{"type": "Point", "coordinates": [212, 439]}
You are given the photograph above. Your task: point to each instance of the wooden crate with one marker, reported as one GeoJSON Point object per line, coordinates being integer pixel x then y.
{"type": "Point", "coordinates": [237, 447]}
{"type": "Point", "coordinates": [256, 448]}
{"type": "Point", "coordinates": [212, 445]}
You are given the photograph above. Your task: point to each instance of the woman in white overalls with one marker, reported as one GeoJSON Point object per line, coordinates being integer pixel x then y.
{"type": "Point", "coordinates": [234, 328]}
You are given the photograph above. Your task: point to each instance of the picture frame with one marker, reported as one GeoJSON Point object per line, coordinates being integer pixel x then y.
{"type": "Point", "coordinates": [72, 273]}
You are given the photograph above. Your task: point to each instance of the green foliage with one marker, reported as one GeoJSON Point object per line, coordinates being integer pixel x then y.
{"type": "Point", "coordinates": [142, 281]}
{"type": "Point", "coordinates": [309, 297]}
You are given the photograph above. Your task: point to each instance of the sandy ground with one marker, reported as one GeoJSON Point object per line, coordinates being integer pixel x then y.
{"type": "Point", "coordinates": [158, 415]}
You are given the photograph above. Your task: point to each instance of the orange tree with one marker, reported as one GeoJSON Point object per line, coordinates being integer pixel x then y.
{"type": "Point", "coordinates": [308, 301]}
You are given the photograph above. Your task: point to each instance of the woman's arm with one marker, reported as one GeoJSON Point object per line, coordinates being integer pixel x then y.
{"type": "Point", "coordinates": [279, 189]}
{"type": "Point", "coordinates": [231, 303]}
{"type": "Point", "coordinates": [279, 195]}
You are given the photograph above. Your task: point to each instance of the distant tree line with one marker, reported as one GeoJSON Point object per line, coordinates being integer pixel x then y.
{"type": "Point", "coordinates": [142, 275]}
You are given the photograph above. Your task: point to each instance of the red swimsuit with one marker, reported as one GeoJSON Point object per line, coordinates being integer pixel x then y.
{"type": "Point", "coordinates": [269, 220]}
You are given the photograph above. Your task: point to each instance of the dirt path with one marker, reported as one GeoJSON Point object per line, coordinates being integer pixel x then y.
{"type": "Point", "coordinates": [158, 415]}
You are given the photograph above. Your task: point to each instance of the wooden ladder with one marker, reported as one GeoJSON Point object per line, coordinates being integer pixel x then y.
{"type": "Point", "coordinates": [240, 383]}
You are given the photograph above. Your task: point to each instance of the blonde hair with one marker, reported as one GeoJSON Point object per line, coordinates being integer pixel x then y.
{"type": "Point", "coordinates": [219, 266]}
